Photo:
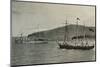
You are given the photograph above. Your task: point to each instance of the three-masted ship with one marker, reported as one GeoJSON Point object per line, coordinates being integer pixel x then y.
{"type": "Point", "coordinates": [66, 44]}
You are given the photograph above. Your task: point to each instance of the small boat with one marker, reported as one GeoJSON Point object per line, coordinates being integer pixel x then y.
{"type": "Point", "coordinates": [70, 45]}
{"type": "Point", "coordinates": [39, 39]}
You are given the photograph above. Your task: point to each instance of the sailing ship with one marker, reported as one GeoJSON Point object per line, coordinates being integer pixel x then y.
{"type": "Point", "coordinates": [68, 45]}
{"type": "Point", "coordinates": [19, 40]}
{"type": "Point", "coordinates": [37, 39]}
{"type": "Point", "coordinates": [26, 40]}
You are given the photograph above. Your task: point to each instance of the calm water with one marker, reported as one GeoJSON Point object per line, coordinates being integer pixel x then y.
{"type": "Point", "coordinates": [23, 54]}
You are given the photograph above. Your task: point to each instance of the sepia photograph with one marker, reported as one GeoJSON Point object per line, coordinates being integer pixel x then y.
{"type": "Point", "coordinates": [52, 33]}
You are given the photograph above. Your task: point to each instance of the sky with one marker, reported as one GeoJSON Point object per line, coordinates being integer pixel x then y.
{"type": "Point", "coordinates": [29, 17]}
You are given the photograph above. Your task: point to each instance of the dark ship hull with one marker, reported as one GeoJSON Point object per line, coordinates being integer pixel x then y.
{"type": "Point", "coordinates": [66, 46]}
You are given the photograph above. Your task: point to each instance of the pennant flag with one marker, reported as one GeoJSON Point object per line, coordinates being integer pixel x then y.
{"type": "Point", "coordinates": [78, 18]}
{"type": "Point", "coordinates": [91, 30]}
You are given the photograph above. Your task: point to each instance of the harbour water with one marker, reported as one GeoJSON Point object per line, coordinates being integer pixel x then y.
{"type": "Point", "coordinates": [24, 54]}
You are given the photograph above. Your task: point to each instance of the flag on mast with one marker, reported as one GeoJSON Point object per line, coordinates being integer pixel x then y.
{"type": "Point", "coordinates": [78, 18]}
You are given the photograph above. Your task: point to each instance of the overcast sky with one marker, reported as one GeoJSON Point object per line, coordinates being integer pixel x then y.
{"type": "Point", "coordinates": [30, 17]}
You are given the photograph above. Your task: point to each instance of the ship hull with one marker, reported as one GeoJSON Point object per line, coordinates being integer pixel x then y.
{"type": "Point", "coordinates": [67, 46]}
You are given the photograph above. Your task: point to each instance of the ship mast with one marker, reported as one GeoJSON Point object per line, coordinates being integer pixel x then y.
{"type": "Point", "coordinates": [77, 27]}
{"type": "Point", "coordinates": [84, 31]}
{"type": "Point", "coordinates": [21, 35]}
{"type": "Point", "coordinates": [65, 37]}
{"type": "Point", "coordinates": [38, 35]}
{"type": "Point", "coordinates": [21, 38]}
{"type": "Point", "coordinates": [86, 42]}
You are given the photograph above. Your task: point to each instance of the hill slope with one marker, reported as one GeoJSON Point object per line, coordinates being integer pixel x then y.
{"type": "Point", "coordinates": [58, 33]}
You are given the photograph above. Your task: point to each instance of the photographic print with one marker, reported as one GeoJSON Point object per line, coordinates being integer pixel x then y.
{"type": "Point", "coordinates": [51, 33]}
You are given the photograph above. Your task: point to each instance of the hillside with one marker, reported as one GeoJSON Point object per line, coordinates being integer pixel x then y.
{"type": "Point", "coordinates": [58, 33]}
